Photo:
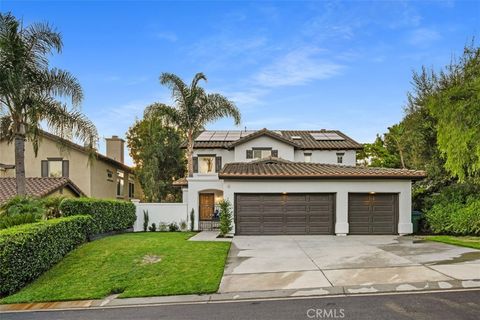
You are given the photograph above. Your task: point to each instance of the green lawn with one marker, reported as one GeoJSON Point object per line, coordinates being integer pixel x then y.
{"type": "Point", "coordinates": [470, 242]}
{"type": "Point", "coordinates": [123, 264]}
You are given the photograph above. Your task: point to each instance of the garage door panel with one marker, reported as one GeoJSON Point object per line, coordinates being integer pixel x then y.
{"type": "Point", "coordinates": [373, 213]}
{"type": "Point", "coordinates": [286, 213]}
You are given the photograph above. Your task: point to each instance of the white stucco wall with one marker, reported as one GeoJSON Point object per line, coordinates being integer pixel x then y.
{"type": "Point", "coordinates": [285, 151]}
{"type": "Point", "coordinates": [340, 187]}
{"type": "Point", "coordinates": [328, 156]}
{"type": "Point", "coordinates": [227, 155]}
{"type": "Point", "coordinates": [198, 184]}
{"type": "Point", "coordinates": [160, 212]}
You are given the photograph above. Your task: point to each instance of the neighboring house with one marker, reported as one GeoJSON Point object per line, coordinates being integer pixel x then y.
{"type": "Point", "coordinates": [40, 187]}
{"type": "Point", "coordinates": [96, 175]}
{"type": "Point", "coordinates": [295, 182]}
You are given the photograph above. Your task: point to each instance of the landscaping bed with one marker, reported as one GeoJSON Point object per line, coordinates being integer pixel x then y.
{"type": "Point", "coordinates": [469, 242]}
{"type": "Point", "coordinates": [133, 265]}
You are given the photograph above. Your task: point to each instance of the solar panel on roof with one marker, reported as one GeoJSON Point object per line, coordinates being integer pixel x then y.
{"type": "Point", "coordinates": [219, 136]}
{"type": "Point", "coordinates": [205, 136]}
{"type": "Point", "coordinates": [328, 136]}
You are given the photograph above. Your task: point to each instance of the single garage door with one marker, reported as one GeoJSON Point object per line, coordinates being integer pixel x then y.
{"type": "Point", "coordinates": [373, 213]}
{"type": "Point", "coordinates": [292, 213]}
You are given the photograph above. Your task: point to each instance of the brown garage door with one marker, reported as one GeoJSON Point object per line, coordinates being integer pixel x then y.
{"type": "Point", "coordinates": [293, 213]}
{"type": "Point", "coordinates": [373, 213]}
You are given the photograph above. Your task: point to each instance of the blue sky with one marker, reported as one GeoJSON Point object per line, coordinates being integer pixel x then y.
{"type": "Point", "coordinates": [287, 65]}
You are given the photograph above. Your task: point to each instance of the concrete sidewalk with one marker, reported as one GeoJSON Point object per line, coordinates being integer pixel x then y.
{"type": "Point", "coordinates": [112, 301]}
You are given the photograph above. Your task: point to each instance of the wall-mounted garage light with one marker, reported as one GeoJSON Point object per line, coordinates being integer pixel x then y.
{"type": "Point", "coordinates": [284, 193]}
{"type": "Point", "coordinates": [372, 192]}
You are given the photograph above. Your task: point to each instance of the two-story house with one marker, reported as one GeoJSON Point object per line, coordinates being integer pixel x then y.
{"type": "Point", "coordinates": [94, 175]}
{"type": "Point", "coordinates": [295, 182]}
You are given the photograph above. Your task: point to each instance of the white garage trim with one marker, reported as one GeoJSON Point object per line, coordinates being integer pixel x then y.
{"type": "Point", "coordinates": [340, 187]}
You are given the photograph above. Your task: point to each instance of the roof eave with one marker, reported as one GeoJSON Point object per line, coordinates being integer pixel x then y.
{"type": "Point", "coordinates": [344, 176]}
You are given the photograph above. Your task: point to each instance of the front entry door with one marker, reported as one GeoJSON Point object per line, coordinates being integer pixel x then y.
{"type": "Point", "coordinates": [207, 206]}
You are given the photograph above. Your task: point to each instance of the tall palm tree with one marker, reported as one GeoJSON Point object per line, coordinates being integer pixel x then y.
{"type": "Point", "coordinates": [193, 109]}
{"type": "Point", "coordinates": [32, 93]}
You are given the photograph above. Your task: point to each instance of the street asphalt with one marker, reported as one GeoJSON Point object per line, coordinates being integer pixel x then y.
{"type": "Point", "coordinates": [427, 305]}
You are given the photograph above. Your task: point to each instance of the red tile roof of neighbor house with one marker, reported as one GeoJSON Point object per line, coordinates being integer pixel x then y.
{"type": "Point", "coordinates": [300, 139]}
{"type": "Point", "coordinates": [180, 182]}
{"type": "Point", "coordinates": [36, 187]}
{"type": "Point", "coordinates": [279, 168]}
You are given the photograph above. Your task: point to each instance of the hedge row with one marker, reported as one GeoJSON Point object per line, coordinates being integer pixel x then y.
{"type": "Point", "coordinates": [26, 251]}
{"type": "Point", "coordinates": [108, 215]}
{"type": "Point", "coordinates": [455, 218]}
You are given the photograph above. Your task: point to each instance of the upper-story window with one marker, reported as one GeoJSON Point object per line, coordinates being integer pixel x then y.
{"type": "Point", "coordinates": [131, 187]}
{"type": "Point", "coordinates": [206, 164]}
{"type": "Point", "coordinates": [261, 153]}
{"type": "Point", "coordinates": [307, 157]}
{"type": "Point", "coordinates": [340, 157]}
{"type": "Point", "coordinates": [55, 168]}
{"type": "Point", "coordinates": [120, 183]}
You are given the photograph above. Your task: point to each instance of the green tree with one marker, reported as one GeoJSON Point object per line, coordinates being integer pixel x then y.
{"type": "Point", "coordinates": [31, 92]}
{"type": "Point", "coordinates": [455, 104]}
{"type": "Point", "coordinates": [155, 147]}
{"type": "Point", "coordinates": [194, 108]}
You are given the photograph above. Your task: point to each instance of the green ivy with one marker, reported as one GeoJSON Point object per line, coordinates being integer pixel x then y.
{"type": "Point", "coordinates": [26, 251]}
{"type": "Point", "coordinates": [108, 215]}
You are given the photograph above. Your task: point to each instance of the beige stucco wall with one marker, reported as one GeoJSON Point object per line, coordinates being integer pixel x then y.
{"type": "Point", "coordinates": [79, 164]}
{"type": "Point", "coordinates": [89, 175]}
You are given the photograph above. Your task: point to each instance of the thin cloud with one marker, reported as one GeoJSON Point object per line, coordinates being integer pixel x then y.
{"type": "Point", "coordinates": [165, 35]}
{"type": "Point", "coordinates": [423, 37]}
{"type": "Point", "coordinates": [297, 67]}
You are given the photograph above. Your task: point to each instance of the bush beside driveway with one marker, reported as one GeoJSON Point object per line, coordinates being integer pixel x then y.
{"type": "Point", "coordinates": [132, 265]}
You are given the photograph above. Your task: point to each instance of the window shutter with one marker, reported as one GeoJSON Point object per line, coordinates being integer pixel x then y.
{"type": "Point", "coordinates": [44, 168]}
{"type": "Point", "coordinates": [65, 168]}
{"type": "Point", "coordinates": [275, 153]}
{"type": "Point", "coordinates": [249, 154]}
{"type": "Point", "coordinates": [195, 164]}
{"type": "Point", "coordinates": [218, 164]}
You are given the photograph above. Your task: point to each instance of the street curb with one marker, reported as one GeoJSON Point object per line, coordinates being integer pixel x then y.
{"type": "Point", "coordinates": [112, 301]}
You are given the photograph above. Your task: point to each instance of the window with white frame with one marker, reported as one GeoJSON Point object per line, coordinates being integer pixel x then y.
{"type": "Point", "coordinates": [206, 164]}
{"type": "Point", "coordinates": [340, 157]}
{"type": "Point", "coordinates": [307, 156]}
{"type": "Point", "coordinates": [55, 168]}
{"type": "Point", "coordinates": [120, 183]}
{"type": "Point", "coordinates": [260, 153]}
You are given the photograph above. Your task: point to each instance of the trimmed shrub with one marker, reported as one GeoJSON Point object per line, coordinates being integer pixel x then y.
{"type": "Point", "coordinates": [225, 217]}
{"type": "Point", "coordinates": [108, 215]}
{"type": "Point", "coordinates": [52, 207]}
{"type": "Point", "coordinates": [29, 250]}
{"type": "Point", "coordinates": [22, 205]}
{"type": "Point", "coordinates": [455, 218]}
{"type": "Point", "coordinates": [17, 219]}
{"type": "Point", "coordinates": [173, 227]}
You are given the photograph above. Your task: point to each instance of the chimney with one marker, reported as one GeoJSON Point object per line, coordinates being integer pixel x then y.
{"type": "Point", "coordinates": [115, 148]}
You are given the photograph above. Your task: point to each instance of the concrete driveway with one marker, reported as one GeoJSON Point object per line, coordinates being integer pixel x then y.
{"type": "Point", "coordinates": [258, 263]}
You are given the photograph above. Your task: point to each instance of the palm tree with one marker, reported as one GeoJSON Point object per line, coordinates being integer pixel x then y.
{"type": "Point", "coordinates": [32, 93]}
{"type": "Point", "coordinates": [193, 109]}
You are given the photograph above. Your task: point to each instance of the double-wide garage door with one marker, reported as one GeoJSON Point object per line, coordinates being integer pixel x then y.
{"type": "Point", "coordinates": [292, 213]}
{"type": "Point", "coordinates": [373, 213]}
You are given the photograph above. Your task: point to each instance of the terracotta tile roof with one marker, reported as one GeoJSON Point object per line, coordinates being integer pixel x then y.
{"type": "Point", "coordinates": [278, 168]}
{"type": "Point", "coordinates": [36, 187]}
{"type": "Point", "coordinates": [306, 141]}
{"type": "Point", "coordinates": [180, 182]}
{"type": "Point", "coordinates": [264, 132]}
